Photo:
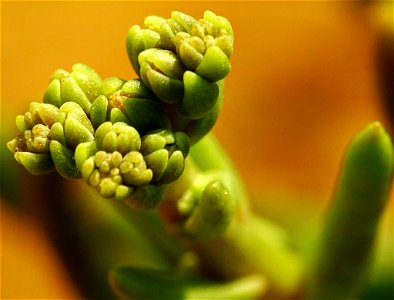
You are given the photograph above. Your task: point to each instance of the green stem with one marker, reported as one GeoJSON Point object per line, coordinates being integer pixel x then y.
{"type": "Point", "coordinates": [250, 244]}
{"type": "Point", "coordinates": [137, 283]}
{"type": "Point", "coordinates": [91, 235]}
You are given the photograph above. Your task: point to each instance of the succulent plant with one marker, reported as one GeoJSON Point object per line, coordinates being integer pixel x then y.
{"type": "Point", "coordinates": [146, 142]}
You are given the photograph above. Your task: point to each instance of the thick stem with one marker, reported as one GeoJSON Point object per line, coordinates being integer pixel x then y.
{"type": "Point", "coordinates": [250, 244]}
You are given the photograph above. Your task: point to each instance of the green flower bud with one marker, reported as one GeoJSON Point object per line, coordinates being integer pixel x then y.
{"type": "Point", "coordinates": [190, 49]}
{"type": "Point", "coordinates": [81, 86]}
{"type": "Point", "coordinates": [35, 140]}
{"type": "Point", "coordinates": [207, 46]}
{"type": "Point", "coordinates": [53, 93]}
{"type": "Point", "coordinates": [165, 153]}
{"type": "Point", "coordinates": [117, 137]}
{"type": "Point", "coordinates": [175, 167]}
{"type": "Point", "coordinates": [114, 175]}
{"type": "Point", "coordinates": [134, 169]}
{"type": "Point", "coordinates": [192, 41]}
{"type": "Point", "coordinates": [34, 127]}
{"type": "Point", "coordinates": [45, 124]}
{"type": "Point", "coordinates": [39, 113]}
{"type": "Point", "coordinates": [167, 30]}
{"type": "Point", "coordinates": [213, 213]}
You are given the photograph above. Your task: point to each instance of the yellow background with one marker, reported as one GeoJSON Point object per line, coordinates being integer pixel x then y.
{"type": "Point", "coordinates": [303, 82]}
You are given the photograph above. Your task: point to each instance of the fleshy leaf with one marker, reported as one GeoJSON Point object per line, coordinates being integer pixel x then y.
{"type": "Point", "coordinates": [35, 163]}
{"type": "Point", "coordinates": [71, 92]}
{"type": "Point", "coordinates": [83, 152]}
{"type": "Point", "coordinates": [215, 65]}
{"type": "Point", "coordinates": [175, 167]}
{"type": "Point", "coordinates": [98, 111]}
{"type": "Point", "coordinates": [346, 243]}
{"type": "Point", "coordinates": [53, 94]}
{"type": "Point", "coordinates": [63, 159]}
{"type": "Point", "coordinates": [200, 96]}
{"type": "Point", "coordinates": [145, 114]}
{"type": "Point", "coordinates": [76, 133]}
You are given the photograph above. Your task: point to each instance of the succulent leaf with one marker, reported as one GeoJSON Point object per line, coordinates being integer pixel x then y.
{"type": "Point", "coordinates": [163, 155]}
{"type": "Point", "coordinates": [145, 114]}
{"type": "Point", "coordinates": [135, 88]}
{"type": "Point", "coordinates": [88, 80]}
{"type": "Point", "coordinates": [157, 162]}
{"type": "Point", "coordinates": [175, 167]}
{"type": "Point", "coordinates": [139, 40]}
{"type": "Point", "coordinates": [63, 159]}
{"type": "Point", "coordinates": [214, 65]}
{"type": "Point", "coordinates": [35, 163]}
{"type": "Point", "coordinates": [200, 96]}
{"type": "Point", "coordinates": [118, 116]}
{"type": "Point", "coordinates": [346, 243]}
{"type": "Point", "coordinates": [111, 85]}
{"type": "Point", "coordinates": [82, 86]}
{"type": "Point", "coordinates": [76, 133]}
{"type": "Point", "coordinates": [53, 94]}
{"type": "Point", "coordinates": [57, 133]}
{"type": "Point", "coordinates": [83, 152]}
{"type": "Point", "coordinates": [98, 111]}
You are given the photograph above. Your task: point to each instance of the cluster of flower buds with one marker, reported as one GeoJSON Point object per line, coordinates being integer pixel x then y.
{"type": "Point", "coordinates": [129, 138]}
{"type": "Point", "coordinates": [119, 161]}
{"type": "Point", "coordinates": [81, 86]}
{"type": "Point", "coordinates": [203, 46]}
{"type": "Point", "coordinates": [184, 61]}
{"type": "Point", "coordinates": [48, 138]}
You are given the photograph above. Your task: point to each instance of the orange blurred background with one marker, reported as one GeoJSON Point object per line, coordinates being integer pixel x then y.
{"type": "Point", "coordinates": [303, 82]}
